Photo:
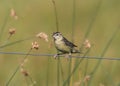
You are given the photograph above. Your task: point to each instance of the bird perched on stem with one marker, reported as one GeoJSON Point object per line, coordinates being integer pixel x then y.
{"type": "Point", "coordinates": [63, 45]}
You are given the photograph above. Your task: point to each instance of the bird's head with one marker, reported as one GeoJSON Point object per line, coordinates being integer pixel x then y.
{"type": "Point", "coordinates": [57, 36]}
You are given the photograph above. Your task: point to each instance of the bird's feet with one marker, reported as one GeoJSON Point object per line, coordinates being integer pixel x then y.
{"type": "Point", "coordinates": [66, 55]}
{"type": "Point", "coordinates": [56, 56]}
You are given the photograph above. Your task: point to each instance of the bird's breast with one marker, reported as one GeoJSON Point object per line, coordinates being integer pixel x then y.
{"type": "Point", "coordinates": [60, 45]}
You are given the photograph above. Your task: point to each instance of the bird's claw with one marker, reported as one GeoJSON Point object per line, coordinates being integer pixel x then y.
{"type": "Point", "coordinates": [56, 56]}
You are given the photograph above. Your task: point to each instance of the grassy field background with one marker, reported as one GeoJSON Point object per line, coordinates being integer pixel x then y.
{"type": "Point", "coordinates": [100, 18]}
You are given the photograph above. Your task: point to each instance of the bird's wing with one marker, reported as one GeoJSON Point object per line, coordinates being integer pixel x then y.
{"type": "Point", "coordinates": [68, 43]}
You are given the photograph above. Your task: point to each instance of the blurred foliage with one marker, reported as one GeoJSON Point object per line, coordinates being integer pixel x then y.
{"type": "Point", "coordinates": [36, 16]}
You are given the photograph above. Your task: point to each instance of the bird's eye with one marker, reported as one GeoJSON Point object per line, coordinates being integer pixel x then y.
{"type": "Point", "coordinates": [57, 34]}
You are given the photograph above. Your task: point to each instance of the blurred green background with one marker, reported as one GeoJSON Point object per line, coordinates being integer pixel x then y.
{"type": "Point", "coordinates": [36, 16]}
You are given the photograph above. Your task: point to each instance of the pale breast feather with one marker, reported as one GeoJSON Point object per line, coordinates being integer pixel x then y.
{"type": "Point", "coordinates": [60, 45]}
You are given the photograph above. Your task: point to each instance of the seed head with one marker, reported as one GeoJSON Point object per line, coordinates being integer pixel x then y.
{"type": "Point", "coordinates": [12, 31]}
{"type": "Point", "coordinates": [35, 45]}
{"type": "Point", "coordinates": [43, 36]}
{"type": "Point", "coordinates": [87, 44]}
{"type": "Point", "coordinates": [87, 78]}
{"type": "Point", "coordinates": [77, 83]}
{"type": "Point", "coordinates": [13, 14]}
{"type": "Point", "coordinates": [24, 72]}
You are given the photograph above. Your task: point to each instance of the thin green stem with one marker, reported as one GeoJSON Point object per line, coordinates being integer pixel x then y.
{"type": "Point", "coordinates": [32, 81]}
{"type": "Point", "coordinates": [56, 15]}
{"type": "Point", "coordinates": [93, 19]}
{"type": "Point", "coordinates": [57, 29]}
{"type": "Point", "coordinates": [10, 79]}
{"type": "Point", "coordinates": [91, 22]}
{"type": "Point", "coordinates": [62, 73]}
{"type": "Point", "coordinates": [58, 70]}
{"type": "Point", "coordinates": [103, 53]}
{"type": "Point", "coordinates": [4, 24]}
{"type": "Point", "coordinates": [71, 62]}
{"type": "Point", "coordinates": [85, 71]}
{"type": "Point", "coordinates": [89, 30]}
{"type": "Point", "coordinates": [15, 42]}
{"type": "Point", "coordinates": [48, 65]}
{"type": "Point", "coordinates": [69, 70]}
{"type": "Point", "coordinates": [75, 68]}
{"type": "Point", "coordinates": [73, 19]}
{"type": "Point", "coordinates": [16, 70]}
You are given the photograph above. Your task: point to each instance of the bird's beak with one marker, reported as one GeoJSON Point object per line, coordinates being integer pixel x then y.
{"type": "Point", "coordinates": [53, 34]}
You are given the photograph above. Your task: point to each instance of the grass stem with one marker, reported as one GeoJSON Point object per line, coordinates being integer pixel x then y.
{"type": "Point", "coordinates": [16, 70]}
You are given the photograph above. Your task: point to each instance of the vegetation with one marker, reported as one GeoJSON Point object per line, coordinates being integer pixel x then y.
{"type": "Point", "coordinates": [27, 50]}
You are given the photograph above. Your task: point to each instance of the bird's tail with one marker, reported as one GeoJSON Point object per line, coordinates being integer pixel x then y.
{"type": "Point", "coordinates": [75, 51]}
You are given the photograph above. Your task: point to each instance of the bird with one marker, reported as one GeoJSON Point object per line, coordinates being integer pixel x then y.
{"type": "Point", "coordinates": [63, 45]}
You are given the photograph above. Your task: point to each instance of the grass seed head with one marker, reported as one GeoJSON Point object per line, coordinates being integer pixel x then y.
{"type": "Point", "coordinates": [43, 36]}
{"type": "Point", "coordinates": [13, 14]}
{"type": "Point", "coordinates": [77, 83]}
{"type": "Point", "coordinates": [87, 78]}
{"type": "Point", "coordinates": [35, 45]}
{"type": "Point", "coordinates": [24, 72]}
{"type": "Point", "coordinates": [87, 44]}
{"type": "Point", "coordinates": [12, 31]}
